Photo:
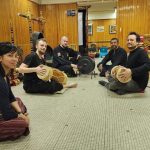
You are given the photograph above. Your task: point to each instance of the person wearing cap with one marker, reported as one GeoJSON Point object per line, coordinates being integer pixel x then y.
{"type": "Point", "coordinates": [14, 119]}
{"type": "Point", "coordinates": [62, 55]}
{"type": "Point", "coordinates": [134, 77]}
{"type": "Point", "coordinates": [32, 65]}
{"type": "Point", "coordinates": [116, 55]}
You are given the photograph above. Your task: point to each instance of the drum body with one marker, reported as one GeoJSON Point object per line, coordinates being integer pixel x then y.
{"type": "Point", "coordinates": [52, 73]}
{"type": "Point", "coordinates": [59, 76]}
{"type": "Point", "coordinates": [86, 65]}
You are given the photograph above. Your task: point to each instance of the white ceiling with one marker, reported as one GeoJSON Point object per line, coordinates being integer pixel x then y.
{"type": "Point", "coordinates": [96, 5]}
{"type": "Point", "coordinates": [99, 7]}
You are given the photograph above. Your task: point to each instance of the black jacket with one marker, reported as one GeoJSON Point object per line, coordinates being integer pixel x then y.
{"type": "Point", "coordinates": [6, 98]}
{"type": "Point", "coordinates": [62, 56]}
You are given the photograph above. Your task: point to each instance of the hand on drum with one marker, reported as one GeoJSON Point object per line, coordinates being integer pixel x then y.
{"type": "Point", "coordinates": [40, 69]}
{"type": "Point", "coordinates": [125, 74]}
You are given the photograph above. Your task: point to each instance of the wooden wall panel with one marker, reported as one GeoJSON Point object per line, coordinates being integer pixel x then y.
{"type": "Point", "coordinates": [132, 15]}
{"type": "Point", "coordinates": [68, 25]}
{"type": "Point", "coordinates": [51, 26]}
{"type": "Point", "coordinates": [101, 38]}
{"type": "Point", "coordinates": [4, 23]}
{"type": "Point", "coordinates": [10, 20]}
{"type": "Point", "coordinates": [59, 24]}
{"type": "Point", "coordinates": [148, 18]}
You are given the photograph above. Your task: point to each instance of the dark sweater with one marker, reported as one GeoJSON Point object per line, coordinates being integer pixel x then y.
{"type": "Point", "coordinates": [6, 98]}
{"type": "Point", "coordinates": [117, 57]}
{"type": "Point", "coordinates": [139, 63]}
{"type": "Point", "coordinates": [62, 56]}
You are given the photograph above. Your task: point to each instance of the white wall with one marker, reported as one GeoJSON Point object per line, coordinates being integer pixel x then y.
{"type": "Point", "coordinates": [102, 11]}
{"type": "Point", "coordinates": [101, 15]}
{"type": "Point", "coordinates": [57, 1]}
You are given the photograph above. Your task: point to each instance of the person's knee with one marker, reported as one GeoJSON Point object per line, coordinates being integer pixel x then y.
{"type": "Point", "coordinates": [113, 85]}
{"type": "Point", "coordinates": [29, 90]}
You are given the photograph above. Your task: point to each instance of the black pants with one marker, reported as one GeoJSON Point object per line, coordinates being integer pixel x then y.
{"type": "Point", "coordinates": [68, 70]}
{"type": "Point", "coordinates": [43, 87]}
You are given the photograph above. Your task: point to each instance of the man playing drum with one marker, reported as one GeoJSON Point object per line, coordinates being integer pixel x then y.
{"type": "Point", "coordinates": [133, 78]}
{"type": "Point", "coordinates": [32, 65]}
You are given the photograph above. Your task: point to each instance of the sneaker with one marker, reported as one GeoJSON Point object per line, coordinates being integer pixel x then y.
{"type": "Point", "coordinates": [103, 83]}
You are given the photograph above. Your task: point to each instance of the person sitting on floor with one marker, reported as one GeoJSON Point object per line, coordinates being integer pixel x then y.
{"type": "Point", "coordinates": [92, 51]}
{"type": "Point", "coordinates": [116, 55]}
{"type": "Point", "coordinates": [136, 70]}
{"type": "Point", "coordinates": [14, 119]}
{"type": "Point", "coordinates": [33, 65]}
{"type": "Point", "coordinates": [62, 55]}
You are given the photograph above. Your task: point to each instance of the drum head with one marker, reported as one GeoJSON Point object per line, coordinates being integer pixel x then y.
{"type": "Point", "coordinates": [86, 65]}
{"type": "Point", "coordinates": [116, 71]}
{"type": "Point", "coordinates": [47, 75]}
{"type": "Point", "coordinates": [122, 80]}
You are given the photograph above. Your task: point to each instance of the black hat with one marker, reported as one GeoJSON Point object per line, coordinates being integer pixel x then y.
{"type": "Point", "coordinates": [6, 47]}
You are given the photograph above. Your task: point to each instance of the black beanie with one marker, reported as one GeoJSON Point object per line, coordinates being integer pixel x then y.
{"type": "Point", "coordinates": [6, 47]}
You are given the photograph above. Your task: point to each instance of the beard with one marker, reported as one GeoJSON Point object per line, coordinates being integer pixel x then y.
{"type": "Point", "coordinates": [41, 52]}
{"type": "Point", "coordinates": [114, 47]}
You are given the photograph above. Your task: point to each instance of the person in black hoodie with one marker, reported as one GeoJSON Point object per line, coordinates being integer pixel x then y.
{"type": "Point", "coordinates": [14, 120]}
{"type": "Point", "coordinates": [138, 67]}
